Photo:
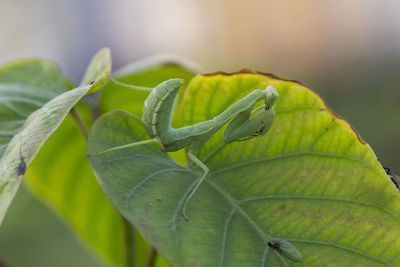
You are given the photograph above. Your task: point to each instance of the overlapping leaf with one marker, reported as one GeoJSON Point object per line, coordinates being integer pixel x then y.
{"type": "Point", "coordinates": [311, 181]}
{"type": "Point", "coordinates": [27, 86]}
{"type": "Point", "coordinates": [32, 106]}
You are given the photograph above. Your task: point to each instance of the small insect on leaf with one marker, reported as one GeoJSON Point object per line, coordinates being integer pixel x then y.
{"type": "Point", "coordinates": [393, 177]}
{"type": "Point", "coordinates": [21, 168]}
{"type": "Point", "coordinates": [286, 248]}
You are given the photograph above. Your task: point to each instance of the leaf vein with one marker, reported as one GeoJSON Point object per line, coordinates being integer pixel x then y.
{"type": "Point", "coordinates": [321, 198]}
{"type": "Point", "coordinates": [329, 244]}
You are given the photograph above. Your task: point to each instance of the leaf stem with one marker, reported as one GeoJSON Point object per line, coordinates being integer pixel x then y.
{"type": "Point", "coordinates": [129, 242]}
{"type": "Point", "coordinates": [151, 257]}
{"type": "Point", "coordinates": [3, 263]}
{"type": "Point", "coordinates": [80, 122]}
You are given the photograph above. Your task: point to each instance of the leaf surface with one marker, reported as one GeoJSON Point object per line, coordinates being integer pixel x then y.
{"type": "Point", "coordinates": [311, 180]}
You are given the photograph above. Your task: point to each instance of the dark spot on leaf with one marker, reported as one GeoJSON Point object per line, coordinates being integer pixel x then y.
{"type": "Point", "coordinates": [159, 200]}
{"type": "Point", "coordinates": [282, 207]}
{"type": "Point", "coordinates": [393, 177]}
{"type": "Point", "coordinates": [21, 168]}
{"type": "Point", "coordinates": [92, 82]}
{"type": "Point", "coordinates": [321, 109]}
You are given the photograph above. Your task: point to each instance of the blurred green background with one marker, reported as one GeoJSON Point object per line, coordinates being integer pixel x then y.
{"type": "Point", "coordinates": [347, 51]}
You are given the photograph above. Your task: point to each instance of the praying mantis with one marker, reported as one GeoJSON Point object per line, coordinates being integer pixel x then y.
{"type": "Point", "coordinates": [244, 122]}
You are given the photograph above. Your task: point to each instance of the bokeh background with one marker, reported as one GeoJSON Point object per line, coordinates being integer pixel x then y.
{"type": "Point", "coordinates": [346, 50]}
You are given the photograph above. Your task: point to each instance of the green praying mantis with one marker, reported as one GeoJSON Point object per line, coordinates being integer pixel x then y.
{"type": "Point", "coordinates": [245, 122]}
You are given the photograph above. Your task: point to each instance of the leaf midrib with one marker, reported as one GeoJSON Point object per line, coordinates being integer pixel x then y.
{"type": "Point", "coordinates": [264, 236]}
{"type": "Point", "coordinates": [321, 198]}
{"type": "Point", "coordinates": [331, 244]}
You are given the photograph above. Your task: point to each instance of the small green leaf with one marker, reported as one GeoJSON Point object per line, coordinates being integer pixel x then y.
{"type": "Point", "coordinates": [311, 180]}
{"type": "Point", "coordinates": [98, 70]}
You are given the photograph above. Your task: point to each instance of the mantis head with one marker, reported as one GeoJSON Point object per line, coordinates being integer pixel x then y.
{"type": "Point", "coordinates": [271, 96]}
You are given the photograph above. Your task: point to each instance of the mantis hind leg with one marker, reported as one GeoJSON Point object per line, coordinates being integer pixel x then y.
{"type": "Point", "coordinates": [201, 179]}
{"type": "Point", "coordinates": [140, 143]}
{"type": "Point", "coordinates": [131, 86]}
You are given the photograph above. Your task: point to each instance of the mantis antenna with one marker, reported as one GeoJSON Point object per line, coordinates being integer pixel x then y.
{"type": "Point", "coordinates": [243, 123]}
{"type": "Point", "coordinates": [257, 73]}
{"type": "Point", "coordinates": [262, 77]}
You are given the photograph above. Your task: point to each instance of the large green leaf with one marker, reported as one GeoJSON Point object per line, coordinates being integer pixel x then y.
{"type": "Point", "coordinates": [75, 193]}
{"type": "Point", "coordinates": [311, 181]}
{"type": "Point", "coordinates": [32, 106]}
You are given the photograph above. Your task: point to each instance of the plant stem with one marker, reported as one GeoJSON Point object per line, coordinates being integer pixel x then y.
{"type": "Point", "coordinates": [80, 122]}
{"type": "Point", "coordinates": [129, 242]}
{"type": "Point", "coordinates": [3, 263]}
{"type": "Point", "coordinates": [151, 257]}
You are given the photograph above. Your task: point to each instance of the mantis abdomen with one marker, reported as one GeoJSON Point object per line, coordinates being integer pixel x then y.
{"type": "Point", "coordinates": [157, 115]}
